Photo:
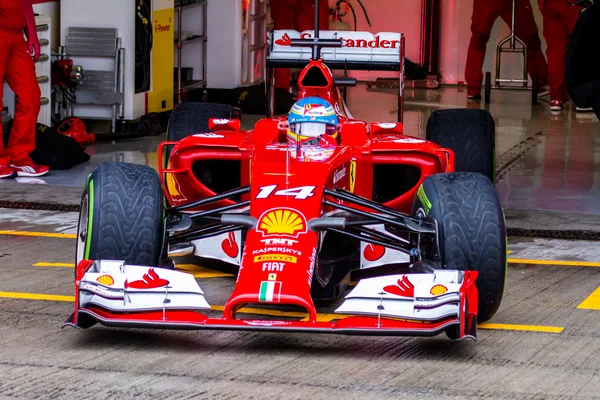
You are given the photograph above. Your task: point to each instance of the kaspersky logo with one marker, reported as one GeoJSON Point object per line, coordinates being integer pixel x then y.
{"type": "Point", "coordinates": [282, 221]}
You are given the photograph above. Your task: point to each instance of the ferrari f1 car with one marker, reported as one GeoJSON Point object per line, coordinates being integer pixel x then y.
{"type": "Point", "coordinates": [392, 234]}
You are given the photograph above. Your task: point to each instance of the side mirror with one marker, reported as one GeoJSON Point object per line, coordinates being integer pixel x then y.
{"type": "Point", "coordinates": [221, 124]}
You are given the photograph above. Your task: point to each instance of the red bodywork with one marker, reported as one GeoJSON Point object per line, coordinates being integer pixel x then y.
{"type": "Point", "coordinates": [285, 195]}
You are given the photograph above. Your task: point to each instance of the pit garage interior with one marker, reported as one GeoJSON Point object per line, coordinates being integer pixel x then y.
{"type": "Point", "coordinates": [544, 342]}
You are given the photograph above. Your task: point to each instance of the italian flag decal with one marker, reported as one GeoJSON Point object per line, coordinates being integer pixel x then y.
{"type": "Point", "coordinates": [269, 291]}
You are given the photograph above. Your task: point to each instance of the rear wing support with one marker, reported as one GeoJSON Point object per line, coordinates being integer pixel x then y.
{"type": "Point", "coordinates": [343, 50]}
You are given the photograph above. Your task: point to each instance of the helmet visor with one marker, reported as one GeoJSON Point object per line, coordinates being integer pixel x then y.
{"type": "Point", "coordinates": [312, 129]}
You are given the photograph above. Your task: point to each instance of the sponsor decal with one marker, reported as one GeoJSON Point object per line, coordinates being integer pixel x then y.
{"type": "Point", "coordinates": [105, 280]}
{"type": "Point", "coordinates": [269, 291]}
{"type": "Point", "coordinates": [276, 257]}
{"type": "Point", "coordinates": [209, 135]}
{"type": "Point", "coordinates": [279, 242]}
{"type": "Point", "coordinates": [221, 121]}
{"type": "Point", "coordinates": [373, 252]}
{"type": "Point", "coordinates": [438, 290]}
{"type": "Point", "coordinates": [352, 175]}
{"type": "Point", "coordinates": [284, 41]}
{"type": "Point", "coordinates": [230, 246]}
{"type": "Point", "coordinates": [282, 221]}
{"type": "Point", "coordinates": [284, 250]}
{"type": "Point", "coordinates": [376, 43]}
{"type": "Point", "coordinates": [150, 280]}
{"type": "Point", "coordinates": [409, 140]}
{"type": "Point", "coordinates": [259, 322]}
{"type": "Point", "coordinates": [387, 125]}
{"type": "Point", "coordinates": [273, 266]}
{"type": "Point", "coordinates": [298, 193]}
{"type": "Point", "coordinates": [272, 277]}
{"type": "Point", "coordinates": [403, 288]}
{"type": "Point", "coordinates": [339, 174]}
{"type": "Point", "coordinates": [311, 269]}
{"type": "Point", "coordinates": [159, 28]}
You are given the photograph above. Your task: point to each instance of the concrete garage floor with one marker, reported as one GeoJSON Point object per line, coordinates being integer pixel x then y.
{"type": "Point", "coordinates": [544, 343]}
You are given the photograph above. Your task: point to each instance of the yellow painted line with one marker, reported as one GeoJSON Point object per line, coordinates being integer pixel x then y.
{"type": "Point", "coordinates": [197, 272]}
{"type": "Point", "coordinates": [303, 315]}
{"type": "Point", "coordinates": [49, 264]}
{"type": "Point", "coordinates": [200, 272]}
{"type": "Point", "coordinates": [508, 251]}
{"type": "Point", "coordinates": [592, 302]}
{"type": "Point", "coordinates": [36, 296]}
{"type": "Point", "coordinates": [40, 234]}
{"type": "Point", "coordinates": [554, 262]}
{"type": "Point", "coordinates": [514, 327]}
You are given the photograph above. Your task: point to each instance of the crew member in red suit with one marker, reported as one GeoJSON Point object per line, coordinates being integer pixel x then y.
{"type": "Point", "coordinates": [485, 13]}
{"type": "Point", "coordinates": [298, 15]}
{"type": "Point", "coordinates": [18, 69]}
{"type": "Point", "coordinates": [560, 18]}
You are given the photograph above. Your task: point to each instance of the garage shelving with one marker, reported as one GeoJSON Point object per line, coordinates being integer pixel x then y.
{"type": "Point", "coordinates": [190, 44]}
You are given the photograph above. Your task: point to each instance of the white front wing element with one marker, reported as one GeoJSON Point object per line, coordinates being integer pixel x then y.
{"type": "Point", "coordinates": [423, 297]}
{"type": "Point", "coordinates": [226, 247]}
{"type": "Point", "coordinates": [372, 255]}
{"type": "Point", "coordinates": [357, 46]}
{"type": "Point", "coordinates": [121, 288]}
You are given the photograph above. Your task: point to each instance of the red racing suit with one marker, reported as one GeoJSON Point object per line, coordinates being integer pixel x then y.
{"type": "Point", "coordinates": [298, 15]}
{"type": "Point", "coordinates": [18, 68]}
{"type": "Point", "coordinates": [485, 13]}
{"type": "Point", "coordinates": [560, 18]}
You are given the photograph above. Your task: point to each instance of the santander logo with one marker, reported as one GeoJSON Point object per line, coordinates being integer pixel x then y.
{"type": "Point", "coordinates": [377, 43]}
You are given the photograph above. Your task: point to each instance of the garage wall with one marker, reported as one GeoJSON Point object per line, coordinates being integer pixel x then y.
{"type": "Point", "coordinates": [405, 16]}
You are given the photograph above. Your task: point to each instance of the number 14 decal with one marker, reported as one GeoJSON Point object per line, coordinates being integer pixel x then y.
{"type": "Point", "coordinates": [299, 193]}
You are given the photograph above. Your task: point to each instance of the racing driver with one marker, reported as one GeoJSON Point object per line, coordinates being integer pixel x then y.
{"type": "Point", "coordinates": [312, 121]}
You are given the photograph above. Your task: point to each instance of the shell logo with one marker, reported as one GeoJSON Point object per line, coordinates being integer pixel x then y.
{"type": "Point", "coordinates": [282, 222]}
{"type": "Point", "coordinates": [438, 290]}
{"type": "Point", "coordinates": [106, 280]}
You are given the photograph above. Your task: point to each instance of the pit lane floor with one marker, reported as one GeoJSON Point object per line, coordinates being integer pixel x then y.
{"type": "Point", "coordinates": [543, 344]}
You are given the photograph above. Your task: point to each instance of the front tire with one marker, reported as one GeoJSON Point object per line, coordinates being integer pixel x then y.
{"type": "Point", "coordinates": [121, 215]}
{"type": "Point", "coordinates": [471, 231]}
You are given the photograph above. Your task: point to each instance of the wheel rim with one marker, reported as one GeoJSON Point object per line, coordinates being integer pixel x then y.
{"type": "Point", "coordinates": [82, 230]}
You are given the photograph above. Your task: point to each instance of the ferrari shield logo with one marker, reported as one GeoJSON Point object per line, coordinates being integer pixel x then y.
{"type": "Point", "coordinates": [352, 175]}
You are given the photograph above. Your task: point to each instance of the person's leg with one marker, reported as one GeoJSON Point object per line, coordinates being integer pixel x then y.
{"type": "Point", "coordinates": [282, 19]}
{"type": "Point", "coordinates": [21, 77]}
{"type": "Point", "coordinates": [485, 13]}
{"type": "Point", "coordinates": [526, 29]}
{"type": "Point", "coordinates": [556, 35]}
{"type": "Point", "coordinates": [6, 171]}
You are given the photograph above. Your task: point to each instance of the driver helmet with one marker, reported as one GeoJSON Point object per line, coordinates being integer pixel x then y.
{"type": "Point", "coordinates": [311, 118]}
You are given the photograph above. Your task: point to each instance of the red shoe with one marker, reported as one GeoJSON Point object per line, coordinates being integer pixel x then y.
{"type": "Point", "coordinates": [31, 170]}
{"type": "Point", "coordinates": [556, 105]}
{"type": "Point", "coordinates": [6, 171]}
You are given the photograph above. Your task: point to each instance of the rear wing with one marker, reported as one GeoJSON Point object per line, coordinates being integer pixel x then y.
{"type": "Point", "coordinates": [365, 51]}
{"type": "Point", "coordinates": [359, 51]}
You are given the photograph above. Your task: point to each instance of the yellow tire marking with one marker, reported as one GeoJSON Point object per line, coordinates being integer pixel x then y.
{"type": "Point", "coordinates": [592, 302]}
{"type": "Point", "coordinates": [40, 234]}
{"type": "Point", "coordinates": [515, 327]}
{"type": "Point", "coordinates": [554, 262]}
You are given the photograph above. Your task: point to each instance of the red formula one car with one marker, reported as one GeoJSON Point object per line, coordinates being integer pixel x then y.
{"type": "Point", "coordinates": [392, 234]}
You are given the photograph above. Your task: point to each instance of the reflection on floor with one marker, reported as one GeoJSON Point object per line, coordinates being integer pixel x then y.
{"type": "Point", "coordinates": [547, 161]}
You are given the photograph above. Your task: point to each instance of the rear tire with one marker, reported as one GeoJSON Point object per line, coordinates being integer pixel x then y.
{"type": "Point", "coordinates": [471, 231]}
{"type": "Point", "coordinates": [470, 134]}
{"type": "Point", "coordinates": [121, 215]}
{"type": "Point", "coordinates": [191, 118]}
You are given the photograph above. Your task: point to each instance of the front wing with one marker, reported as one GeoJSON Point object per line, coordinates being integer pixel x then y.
{"type": "Point", "coordinates": [424, 304]}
